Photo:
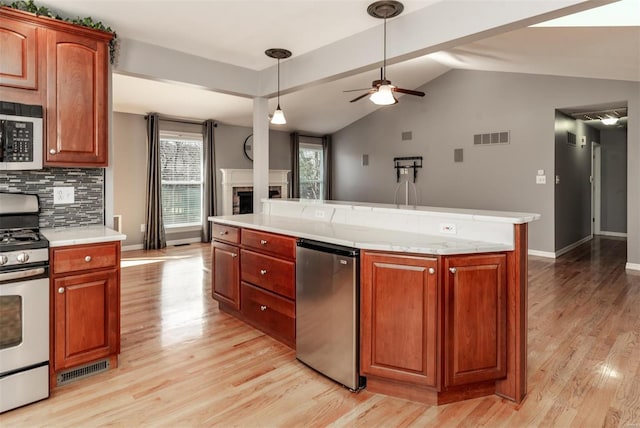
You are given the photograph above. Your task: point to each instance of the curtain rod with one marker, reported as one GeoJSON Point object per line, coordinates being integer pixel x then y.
{"type": "Point", "coordinates": [189, 122]}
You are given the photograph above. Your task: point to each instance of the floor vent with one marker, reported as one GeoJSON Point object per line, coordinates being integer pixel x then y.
{"type": "Point", "coordinates": [81, 372]}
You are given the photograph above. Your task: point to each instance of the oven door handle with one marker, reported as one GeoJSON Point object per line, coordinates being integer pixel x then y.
{"type": "Point", "coordinates": [10, 276]}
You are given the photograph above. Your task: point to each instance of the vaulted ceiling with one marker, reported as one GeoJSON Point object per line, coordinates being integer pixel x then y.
{"type": "Point", "coordinates": [205, 59]}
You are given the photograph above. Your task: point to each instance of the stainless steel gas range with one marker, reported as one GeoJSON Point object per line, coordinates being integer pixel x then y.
{"type": "Point", "coordinates": [24, 303]}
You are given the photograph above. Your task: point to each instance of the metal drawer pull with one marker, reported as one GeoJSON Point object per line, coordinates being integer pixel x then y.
{"type": "Point", "coordinates": [453, 270]}
{"type": "Point", "coordinates": [263, 242]}
{"type": "Point", "coordinates": [223, 232]}
{"type": "Point", "coordinates": [263, 271]}
{"type": "Point", "coordinates": [234, 255]}
{"type": "Point", "coordinates": [61, 290]}
{"type": "Point", "coordinates": [87, 259]}
{"type": "Point", "coordinates": [432, 271]}
{"type": "Point", "coordinates": [263, 307]}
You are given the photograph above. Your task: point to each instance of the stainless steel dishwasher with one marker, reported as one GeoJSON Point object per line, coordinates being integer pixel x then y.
{"type": "Point", "coordinates": [327, 310]}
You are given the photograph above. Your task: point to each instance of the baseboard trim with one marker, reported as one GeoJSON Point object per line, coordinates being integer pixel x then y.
{"type": "Point", "coordinates": [539, 253]}
{"type": "Point", "coordinates": [183, 241]}
{"type": "Point", "coordinates": [616, 234]}
{"type": "Point", "coordinates": [574, 245]}
{"type": "Point", "coordinates": [632, 266]}
{"type": "Point", "coordinates": [133, 247]}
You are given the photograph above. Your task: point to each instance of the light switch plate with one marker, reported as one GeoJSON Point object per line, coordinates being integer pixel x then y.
{"type": "Point", "coordinates": [541, 179]}
{"type": "Point", "coordinates": [63, 195]}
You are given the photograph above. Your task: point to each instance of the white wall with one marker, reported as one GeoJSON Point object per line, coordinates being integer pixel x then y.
{"type": "Point", "coordinates": [459, 104]}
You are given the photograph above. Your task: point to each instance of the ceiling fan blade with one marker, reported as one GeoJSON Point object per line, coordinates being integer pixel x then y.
{"type": "Point", "coordinates": [360, 97]}
{"type": "Point", "coordinates": [357, 90]}
{"type": "Point", "coordinates": [409, 92]}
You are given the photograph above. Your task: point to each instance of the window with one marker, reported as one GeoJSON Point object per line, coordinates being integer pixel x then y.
{"type": "Point", "coordinates": [182, 181]}
{"type": "Point", "coordinates": [311, 169]}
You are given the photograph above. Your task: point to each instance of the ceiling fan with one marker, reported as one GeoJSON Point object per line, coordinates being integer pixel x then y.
{"type": "Point", "coordinates": [381, 91]}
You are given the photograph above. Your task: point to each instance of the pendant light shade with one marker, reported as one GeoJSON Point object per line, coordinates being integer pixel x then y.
{"type": "Point", "coordinates": [278, 115]}
{"type": "Point", "coordinates": [383, 96]}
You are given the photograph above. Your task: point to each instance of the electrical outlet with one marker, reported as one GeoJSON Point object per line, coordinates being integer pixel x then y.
{"type": "Point", "coordinates": [541, 179]}
{"type": "Point", "coordinates": [63, 195]}
{"type": "Point", "coordinates": [143, 227]}
{"type": "Point", "coordinates": [319, 214]}
{"type": "Point", "coordinates": [449, 228]}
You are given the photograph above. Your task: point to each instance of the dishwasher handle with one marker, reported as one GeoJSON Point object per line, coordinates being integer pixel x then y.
{"type": "Point", "coordinates": [326, 247]}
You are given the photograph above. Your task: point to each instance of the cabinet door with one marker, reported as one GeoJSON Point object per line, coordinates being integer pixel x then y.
{"type": "Point", "coordinates": [86, 318]}
{"type": "Point", "coordinates": [399, 314]}
{"type": "Point", "coordinates": [226, 274]}
{"type": "Point", "coordinates": [76, 100]}
{"type": "Point", "coordinates": [475, 312]}
{"type": "Point", "coordinates": [19, 52]}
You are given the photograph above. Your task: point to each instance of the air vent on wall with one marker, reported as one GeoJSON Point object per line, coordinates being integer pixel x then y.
{"type": "Point", "coordinates": [571, 138]}
{"type": "Point", "coordinates": [492, 138]}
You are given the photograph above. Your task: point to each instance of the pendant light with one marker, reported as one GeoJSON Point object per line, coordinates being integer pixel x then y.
{"type": "Point", "coordinates": [277, 53]}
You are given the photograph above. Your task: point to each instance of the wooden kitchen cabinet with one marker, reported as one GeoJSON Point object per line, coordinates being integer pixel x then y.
{"type": "Point", "coordinates": [225, 286]}
{"type": "Point", "coordinates": [85, 296]}
{"type": "Point", "coordinates": [77, 79]}
{"type": "Point", "coordinates": [475, 317]}
{"type": "Point", "coordinates": [63, 67]}
{"type": "Point", "coordinates": [399, 320]}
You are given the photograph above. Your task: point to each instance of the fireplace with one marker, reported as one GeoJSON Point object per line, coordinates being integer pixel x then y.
{"type": "Point", "coordinates": [237, 189]}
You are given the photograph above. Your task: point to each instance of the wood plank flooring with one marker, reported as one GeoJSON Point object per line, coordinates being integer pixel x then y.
{"type": "Point", "coordinates": [184, 363]}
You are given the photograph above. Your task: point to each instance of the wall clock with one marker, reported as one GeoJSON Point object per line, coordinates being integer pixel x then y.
{"type": "Point", "coordinates": [248, 147]}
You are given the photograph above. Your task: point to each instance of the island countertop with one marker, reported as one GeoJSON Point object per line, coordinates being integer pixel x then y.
{"type": "Point", "coordinates": [63, 236]}
{"type": "Point", "coordinates": [386, 228]}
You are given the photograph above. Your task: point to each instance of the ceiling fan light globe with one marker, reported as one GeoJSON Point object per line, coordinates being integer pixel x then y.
{"type": "Point", "coordinates": [609, 120]}
{"type": "Point", "coordinates": [383, 96]}
{"type": "Point", "coordinates": [278, 117]}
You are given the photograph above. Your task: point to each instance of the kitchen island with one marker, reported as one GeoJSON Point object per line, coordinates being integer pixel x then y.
{"type": "Point", "coordinates": [443, 292]}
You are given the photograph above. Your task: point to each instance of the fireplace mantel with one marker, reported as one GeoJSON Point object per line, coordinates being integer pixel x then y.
{"type": "Point", "coordinates": [233, 178]}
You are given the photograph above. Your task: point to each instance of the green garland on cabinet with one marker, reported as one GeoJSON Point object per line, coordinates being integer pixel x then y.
{"type": "Point", "coordinates": [30, 6]}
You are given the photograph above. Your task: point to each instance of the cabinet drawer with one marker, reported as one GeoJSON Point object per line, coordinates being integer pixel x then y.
{"type": "Point", "coordinates": [84, 257]}
{"type": "Point", "coordinates": [221, 232]}
{"type": "Point", "coordinates": [276, 275]}
{"type": "Point", "coordinates": [270, 313]}
{"type": "Point", "coordinates": [277, 245]}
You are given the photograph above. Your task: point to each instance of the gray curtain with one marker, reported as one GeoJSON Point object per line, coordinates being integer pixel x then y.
{"type": "Point", "coordinates": [209, 190]}
{"type": "Point", "coordinates": [295, 169]}
{"type": "Point", "coordinates": [328, 170]}
{"type": "Point", "coordinates": [154, 235]}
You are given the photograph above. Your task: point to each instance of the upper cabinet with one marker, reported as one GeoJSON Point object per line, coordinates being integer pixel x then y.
{"type": "Point", "coordinates": [76, 100]}
{"type": "Point", "coordinates": [63, 67]}
{"type": "Point", "coordinates": [19, 47]}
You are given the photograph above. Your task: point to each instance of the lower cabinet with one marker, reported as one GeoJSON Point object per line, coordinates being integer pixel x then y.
{"type": "Point", "coordinates": [226, 274]}
{"type": "Point", "coordinates": [86, 311]}
{"type": "Point", "coordinates": [475, 314]}
{"type": "Point", "coordinates": [271, 313]}
{"type": "Point", "coordinates": [399, 318]}
{"type": "Point", "coordinates": [85, 299]}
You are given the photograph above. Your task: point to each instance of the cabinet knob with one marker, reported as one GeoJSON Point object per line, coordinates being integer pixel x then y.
{"type": "Point", "coordinates": [263, 242]}
{"type": "Point", "coordinates": [223, 232]}
{"type": "Point", "coordinates": [432, 271]}
{"type": "Point", "coordinates": [234, 255]}
{"type": "Point", "coordinates": [263, 308]}
{"type": "Point", "coordinates": [87, 259]}
{"type": "Point", "coordinates": [61, 290]}
{"type": "Point", "coordinates": [453, 270]}
{"type": "Point", "coordinates": [263, 271]}
{"type": "Point", "coordinates": [52, 151]}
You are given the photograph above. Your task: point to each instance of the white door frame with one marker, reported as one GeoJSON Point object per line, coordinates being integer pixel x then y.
{"type": "Point", "coordinates": [596, 178]}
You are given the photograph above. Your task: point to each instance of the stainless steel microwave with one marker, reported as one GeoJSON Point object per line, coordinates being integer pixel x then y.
{"type": "Point", "coordinates": [21, 136]}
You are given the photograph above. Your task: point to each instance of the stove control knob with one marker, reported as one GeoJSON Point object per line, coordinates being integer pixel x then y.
{"type": "Point", "coordinates": [22, 258]}
{"type": "Point", "coordinates": [3, 259]}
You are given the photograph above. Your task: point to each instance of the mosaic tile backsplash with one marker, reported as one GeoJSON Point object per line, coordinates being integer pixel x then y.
{"type": "Point", "coordinates": [88, 206]}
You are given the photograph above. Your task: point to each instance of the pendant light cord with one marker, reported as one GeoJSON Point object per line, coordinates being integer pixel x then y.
{"type": "Point", "coordinates": [384, 57]}
{"type": "Point", "coordinates": [278, 84]}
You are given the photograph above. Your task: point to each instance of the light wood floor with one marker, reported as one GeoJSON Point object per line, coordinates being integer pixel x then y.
{"type": "Point", "coordinates": [184, 363]}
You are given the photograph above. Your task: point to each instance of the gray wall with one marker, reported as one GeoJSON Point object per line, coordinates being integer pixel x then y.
{"type": "Point", "coordinates": [573, 191]}
{"type": "Point", "coordinates": [459, 104]}
{"type": "Point", "coordinates": [129, 163]}
{"type": "Point", "coordinates": [88, 183]}
{"type": "Point", "coordinates": [613, 155]}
